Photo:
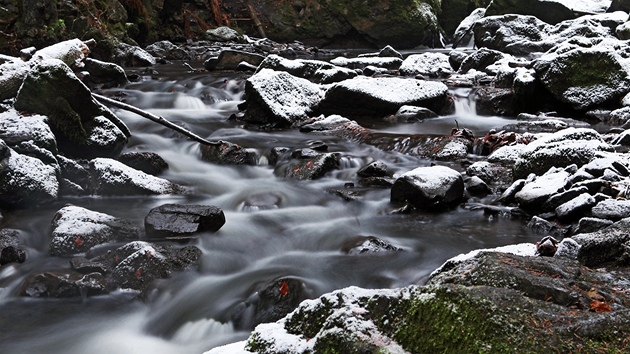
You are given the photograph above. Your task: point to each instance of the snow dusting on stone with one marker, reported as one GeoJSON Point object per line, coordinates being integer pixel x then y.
{"type": "Point", "coordinates": [70, 52]}
{"type": "Point", "coordinates": [29, 172]}
{"type": "Point", "coordinates": [430, 64]}
{"type": "Point", "coordinates": [116, 173]}
{"type": "Point", "coordinates": [521, 249]}
{"type": "Point", "coordinates": [396, 90]}
{"type": "Point", "coordinates": [288, 97]}
{"type": "Point", "coordinates": [15, 128]}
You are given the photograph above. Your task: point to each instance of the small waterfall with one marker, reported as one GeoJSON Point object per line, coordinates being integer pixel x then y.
{"type": "Point", "coordinates": [465, 105]}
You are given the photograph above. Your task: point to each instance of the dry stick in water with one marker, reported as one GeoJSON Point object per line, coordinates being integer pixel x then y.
{"type": "Point", "coordinates": [153, 117]}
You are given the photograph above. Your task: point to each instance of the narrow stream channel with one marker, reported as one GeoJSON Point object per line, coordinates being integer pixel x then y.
{"type": "Point", "coordinates": [301, 235]}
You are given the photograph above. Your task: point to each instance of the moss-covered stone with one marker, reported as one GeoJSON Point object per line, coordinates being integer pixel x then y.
{"type": "Point", "coordinates": [401, 23]}
{"type": "Point", "coordinates": [83, 127]}
{"type": "Point", "coordinates": [491, 303]}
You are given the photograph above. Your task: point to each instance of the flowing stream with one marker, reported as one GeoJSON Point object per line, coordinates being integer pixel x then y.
{"type": "Point", "coordinates": [300, 237]}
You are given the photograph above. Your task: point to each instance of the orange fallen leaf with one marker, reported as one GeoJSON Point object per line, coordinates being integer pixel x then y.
{"type": "Point", "coordinates": [600, 306]}
{"type": "Point", "coordinates": [78, 241]}
{"type": "Point", "coordinates": [284, 288]}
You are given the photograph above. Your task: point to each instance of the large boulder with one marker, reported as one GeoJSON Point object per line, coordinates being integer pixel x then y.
{"type": "Point", "coordinates": [550, 11]}
{"type": "Point", "coordinates": [586, 77]}
{"type": "Point", "coordinates": [429, 188]}
{"type": "Point", "coordinates": [378, 97]}
{"type": "Point", "coordinates": [76, 230]}
{"type": "Point", "coordinates": [403, 24]}
{"type": "Point", "coordinates": [182, 222]}
{"type": "Point", "coordinates": [497, 300]}
{"type": "Point", "coordinates": [522, 35]}
{"type": "Point", "coordinates": [83, 127]}
{"type": "Point", "coordinates": [277, 97]}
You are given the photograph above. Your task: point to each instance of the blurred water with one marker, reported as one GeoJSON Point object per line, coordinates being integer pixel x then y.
{"type": "Point", "coordinates": [300, 237]}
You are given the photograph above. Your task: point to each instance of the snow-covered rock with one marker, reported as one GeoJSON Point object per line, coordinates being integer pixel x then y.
{"type": "Point", "coordinates": [278, 97]}
{"type": "Point", "coordinates": [390, 63]}
{"type": "Point", "coordinates": [110, 177]}
{"type": "Point", "coordinates": [550, 11]}
{"type": "Point", "coordinates": [25, 181]}
{"type": "Point", "coordinates": [534, 193]}
{"type": "Point", "coordinates": [363, 96]}
{"type": "Point", "coordinates": [316, 70]}
{"type": "Point", "coordinates": [586, 77]}
{"type": "Point", "coordinates": [429, 188]}
{"type": "Point", "coordinates": [76, 230]}
{"type": "Point", "coordinates": [568, 146]}
{"type": "Point", "coordinates": [428, 64]}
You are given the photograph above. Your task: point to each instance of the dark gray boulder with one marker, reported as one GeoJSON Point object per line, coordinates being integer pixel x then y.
{"type": "Point", "coordinates": [307, 164]}
{"type": "Point", "coordinates": [552, 11]}
{"type": "Point", "coordinates": [182, 222]}
{"type": "Point", "coordinates": [373, 169]}
{"type": "Point", "coordinates": [76, 230]}
{"type": "Point", "coordinates": [608, 247]}
{"type": "Point", "coordinates": [148, 162]}
{"type": "Point", "coordinates": [105, 74]}
{"type": "Point", "coordinates": [138, 264]}
{"type": "Point", "coordinates": [227, 153]}
{"type": "Point", "coordinates": [63, 284]}
{"type": "Point", "coordinates": [368, 245]}
{"type": "Point", "coordinates": [429, 188]}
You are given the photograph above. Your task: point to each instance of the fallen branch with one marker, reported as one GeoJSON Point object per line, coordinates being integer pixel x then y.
{"type": "Point", "coordinates": [155, 118]}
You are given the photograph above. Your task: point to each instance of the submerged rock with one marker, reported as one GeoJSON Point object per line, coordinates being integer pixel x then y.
{"type": "Point", "coordinates": [61, 284]}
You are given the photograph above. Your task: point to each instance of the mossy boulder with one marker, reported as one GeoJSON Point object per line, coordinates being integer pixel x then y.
{"type": "Point", "coordinates": [484, 302]}
{"type": "Point", "coordinates": [585, 77]}
{"type": "Point", "coordinates": [400, 23]}
{"type": "Point", "coordinates": [83, 127]}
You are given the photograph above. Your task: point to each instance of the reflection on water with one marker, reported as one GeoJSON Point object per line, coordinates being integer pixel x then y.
{"type": "Point", "coordinates": [274, 228]}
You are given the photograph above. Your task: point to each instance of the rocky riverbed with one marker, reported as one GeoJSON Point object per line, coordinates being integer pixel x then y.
{"type": "Point", "coordinates": [561, 167]}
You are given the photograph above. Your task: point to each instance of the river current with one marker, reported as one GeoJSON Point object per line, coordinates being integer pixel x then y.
{"type": "Point", "coordinates": [301, 238]}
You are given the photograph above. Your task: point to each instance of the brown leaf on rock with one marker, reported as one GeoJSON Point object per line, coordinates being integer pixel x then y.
{"type": "Point", "coordinates": [600, 306]}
